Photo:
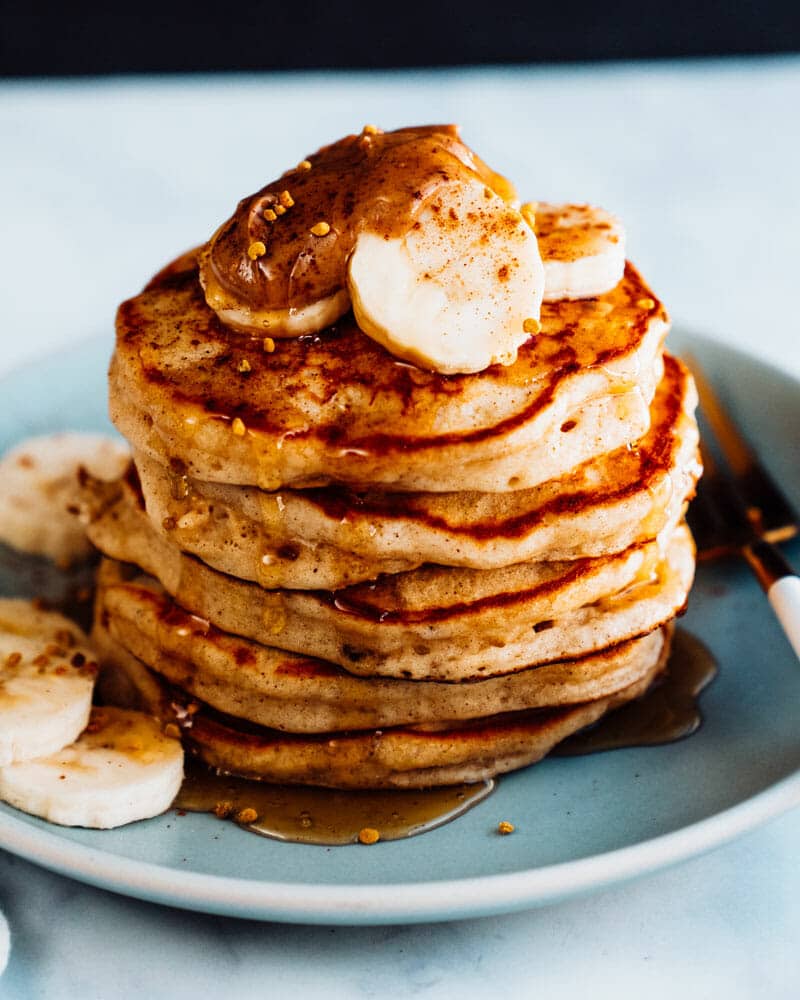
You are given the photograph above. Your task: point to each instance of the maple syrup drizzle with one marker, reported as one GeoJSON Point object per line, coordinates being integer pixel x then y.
{"type": "Point", "coordinates": [669, 711]}
{"type": "Point", "coordinates": [326, 816]}
{"type": "Point", "coordinates": [305, 815]}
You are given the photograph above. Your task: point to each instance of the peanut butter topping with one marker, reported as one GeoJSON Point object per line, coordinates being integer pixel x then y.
{"type": "Point", "coordinates": [279, 264]}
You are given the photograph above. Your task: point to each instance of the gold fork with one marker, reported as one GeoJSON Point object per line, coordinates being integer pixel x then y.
{"type": "Point", "coordinates": [739, 510]}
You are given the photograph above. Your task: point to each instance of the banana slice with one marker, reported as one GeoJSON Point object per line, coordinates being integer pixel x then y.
{"type": "Point", "coordinates": [582, 247]}
{"type": "Point", "coordinates": [460, 291]}
{"type": "Point", "coordinates": [47, 674]}
{"type": "Point", "coordinates": [39, 492]}
{"type": "Point", "coordinates": [122, 769]}
{"type": "Point", "coordinates": [278, 323]}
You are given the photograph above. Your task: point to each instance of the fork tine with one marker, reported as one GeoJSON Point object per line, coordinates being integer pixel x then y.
{"type": "Point", "coordinates": [769, 511]}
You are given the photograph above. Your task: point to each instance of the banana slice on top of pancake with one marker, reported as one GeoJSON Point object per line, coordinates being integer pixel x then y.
{"type": "Point", "coordinates": [472, 279]}
{"type": "Point", "coordinates": [583, 249]}
{"type": "Point", "coordinates": [409, 227]}
{"type": "Point", "coordinates": [123, 768]}
{"type": "Point", "coordinates": [459, 290]}
{"type": "Point", "coordinates": [425, 242]}
{"type": "Point", "coordinates": [47, 675]}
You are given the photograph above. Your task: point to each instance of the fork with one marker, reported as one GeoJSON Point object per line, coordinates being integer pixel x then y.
{"type": "Point", "coordinates": [739, 510]}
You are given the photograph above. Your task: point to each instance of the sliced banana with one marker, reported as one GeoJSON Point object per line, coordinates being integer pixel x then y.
{"type": "Point", "coordinates": [39, 492]}
{"type": "Point", "coordinates": [297, 321]}
{"type": "Point", "coordinates": [459, 291]}
{"type": "Point", "coordinates": [582, 247]}
{"type": "Point", "coordinates": [47, 675]}
{"type": "Point", "coordinates": [122, 769]}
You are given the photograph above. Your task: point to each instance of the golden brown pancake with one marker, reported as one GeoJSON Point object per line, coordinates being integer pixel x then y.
{"type": "Point", "coordinates": [402, 757]}
{"type": "Point", "coordinates": [338, 408]}
{"type": "Point", "coordinates": [331, 537]}
{"type": "Point", "coordinates": [302, 694]}
{"type": "Point", "coordinates": [433, 622]}
{"type": "Point", "coordinates": [332, 567]}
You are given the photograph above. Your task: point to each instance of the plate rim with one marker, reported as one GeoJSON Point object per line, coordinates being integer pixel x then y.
{"type": "Point", "coordinates": [401, 902]}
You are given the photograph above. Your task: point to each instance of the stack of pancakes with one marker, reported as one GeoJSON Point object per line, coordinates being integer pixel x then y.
{"type": "Point", "coordinates": [331, 567]}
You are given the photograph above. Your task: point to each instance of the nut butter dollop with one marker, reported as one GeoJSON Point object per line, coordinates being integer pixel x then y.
{"type": "Point", "coordinates": [410, 228]}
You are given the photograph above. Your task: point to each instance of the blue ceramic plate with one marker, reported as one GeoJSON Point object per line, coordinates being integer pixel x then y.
{"type": "Point", "coordinates": [581, 823]}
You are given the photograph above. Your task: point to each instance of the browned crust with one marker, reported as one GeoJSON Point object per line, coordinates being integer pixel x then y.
{"type": "Point", "coordinates": [343, 356]}
{"type": "Point", "coordinates": [397, 757]}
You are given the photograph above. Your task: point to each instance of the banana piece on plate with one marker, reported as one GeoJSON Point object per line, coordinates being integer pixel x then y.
{"type": "Point", "coordinates": [40, 491]}
{"type": "Point", "coordinates": [582, 247]}
{"type": "Point", "coordinates": [122, 769]}
{"type": "Point", "coordinates": [460, 290]}
{"type": "Point", "coordinates": [47, 675]}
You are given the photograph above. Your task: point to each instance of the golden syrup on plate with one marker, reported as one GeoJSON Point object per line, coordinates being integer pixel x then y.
{"type": "Point", "coordinates": [669, 711]}
{"type": "Point", "coordinates": [306, 815]}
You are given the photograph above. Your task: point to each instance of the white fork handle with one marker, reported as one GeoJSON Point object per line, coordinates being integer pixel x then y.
{"type": "Point", "coordinates": [784, 596]}
{"type": "Point", "coordinates": [5, 943]}
{"type": "Point", "coordinates": [781, 585]}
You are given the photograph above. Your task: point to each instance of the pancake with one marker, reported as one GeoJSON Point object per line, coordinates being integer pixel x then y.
{"type": "Point", "coordinates": [329, 565]}
{"type": "Point", "coordinates": [401, 757]}
{"type": "Point", "coordinates": [336, 407]}
{"type": "Point", "coordinates": [433, 622]}
{"type": "Point", "coordinates": [331, 537]}
{"type": "Point", "coordinates": [299, 694]}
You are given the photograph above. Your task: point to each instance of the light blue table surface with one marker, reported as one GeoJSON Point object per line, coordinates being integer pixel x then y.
{"type": "Point", "coordinates": [101, 182]}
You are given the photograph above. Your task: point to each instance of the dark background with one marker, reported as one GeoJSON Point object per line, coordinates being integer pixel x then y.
{"type": "Point", "coordinates": [53, 39]}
